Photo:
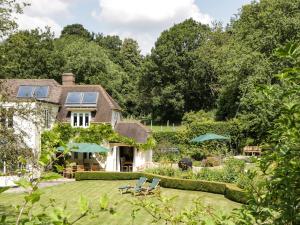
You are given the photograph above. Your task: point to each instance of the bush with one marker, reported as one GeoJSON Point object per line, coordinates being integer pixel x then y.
{"type": "Point", "coordinates": [106, 175]}
{"type": "Point", "coordinates": [164, 171]}
{"type": "Point", "coordinates": [210, 174]}
{"type": "Point", "coordinates": [198, 155]}
{"type": "Point", "coordinates": [233, 169]}
{"type": "Point", "coordinates": [211, 162]}
{"type": "Point", "coordinates": [236, 194]}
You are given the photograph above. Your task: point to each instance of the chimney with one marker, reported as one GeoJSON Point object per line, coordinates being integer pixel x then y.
{"type": "Point", "coordinates": [68, 79]}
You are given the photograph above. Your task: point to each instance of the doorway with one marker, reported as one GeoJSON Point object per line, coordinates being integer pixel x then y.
{"type": "Point", "coordinates": [126, 158]}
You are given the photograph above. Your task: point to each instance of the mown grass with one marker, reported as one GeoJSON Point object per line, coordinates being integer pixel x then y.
{"type": "Point", "coordinates": [157, 128]}
{"type": "Point", "coordinates": [69, 194]}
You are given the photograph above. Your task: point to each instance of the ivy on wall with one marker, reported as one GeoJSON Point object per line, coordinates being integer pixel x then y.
{"type": "Point", "coordinates": [61, 134]}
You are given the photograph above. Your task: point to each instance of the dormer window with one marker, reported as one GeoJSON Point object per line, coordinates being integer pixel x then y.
{"type": "Point", "coordinates": [80, 119]}
{"type": "Point", "coordinates": [29, 91]}
{"type": "Point", "coordinates": [81, 99]}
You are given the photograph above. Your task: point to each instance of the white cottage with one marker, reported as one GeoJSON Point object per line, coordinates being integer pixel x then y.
{"type": "Point", "coordinates": [81, 106]}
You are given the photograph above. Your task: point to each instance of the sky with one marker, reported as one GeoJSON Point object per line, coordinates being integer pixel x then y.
{"type": "Point", "coordinates": [142, 20]}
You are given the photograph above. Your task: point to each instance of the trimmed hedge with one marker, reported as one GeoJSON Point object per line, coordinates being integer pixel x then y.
{"type": "Point", "coordinates": [229, 190]}
{"type": "Point", "coordinates": [236, 194]}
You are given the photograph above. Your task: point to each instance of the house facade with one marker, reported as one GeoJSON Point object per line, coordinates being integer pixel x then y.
{"type": "Point", "coordinates": [80, 106]}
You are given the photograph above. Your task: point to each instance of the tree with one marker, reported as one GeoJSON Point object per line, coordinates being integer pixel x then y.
{"type": "Point", "coordinates": [276, 201]}
{"type": "Point", "coordinates": [112, 44]}
{"type": "Point", "coordinates": [175, 78]}
{"type": "Point", "coordinates": [91, 65]}
{"type": "Point", "coordinates": [30, 54]}
{"type": "Point", "coordinates": [7, 20]}
{"type": "Point", "coordinates": [76, 30]}
{"type": "Point", "coordinates": [246, 60]}
{"type": "Point", "coordinates": [131, 62]}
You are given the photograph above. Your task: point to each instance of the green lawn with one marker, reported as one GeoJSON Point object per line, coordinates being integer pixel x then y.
{"type": "Point", "coordinates": [170, 128]}
{"type": "Point", "coordinates": [69, 193]}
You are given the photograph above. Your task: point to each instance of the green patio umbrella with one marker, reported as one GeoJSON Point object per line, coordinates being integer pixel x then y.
{"type": "Point", "coordinates": [207, 137]}
{"type": "Point", "coordinates": [84, 147]}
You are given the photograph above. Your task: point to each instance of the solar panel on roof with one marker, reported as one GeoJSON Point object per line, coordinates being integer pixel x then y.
{"type": "Point", "coordinates": [41, 91]}
{"type": "Point", "coordinates": [25, 91]}
{"type": "Point", "coordinates": [89, 97]}
{"type": "Point", "coordinates": [74, 98]}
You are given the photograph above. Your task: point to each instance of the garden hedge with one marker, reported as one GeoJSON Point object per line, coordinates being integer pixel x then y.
{"type": "Point", "coordinates": [236, 194]}
{"type": "Point", "coordinates": [229, 190]}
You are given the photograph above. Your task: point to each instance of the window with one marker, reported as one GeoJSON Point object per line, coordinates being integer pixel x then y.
{"type": "Point", "coordinates": [41, 91]}
{"type": "Point", "coordinates": [46, 118]}
{"type": "Point", "coordinates": [89, 97]}
{"type": "Point", "coordinates": [28, 91]}
{"type": "Point", "coordinates": [82, 98]}
{"type": "Point", "coordinates": [73, 98]}
{"type": "Point", "coordinates": [80, 119]}
{"type": "Point", "coordinates": [116, 116]}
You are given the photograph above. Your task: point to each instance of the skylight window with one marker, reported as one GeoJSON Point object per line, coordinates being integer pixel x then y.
{"type": "Point", "coordinates": [82, 98]}
{"type": "Point", "coordinates": [74, 98]}
{"type": "Point", "coordinates": [28, 91]}
{"type": "Point", "coordinates": [89, 97]}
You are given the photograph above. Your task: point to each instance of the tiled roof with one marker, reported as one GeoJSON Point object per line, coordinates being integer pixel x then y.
{"type": "Point", "coordinates": [105, 103]}
{"type": "Point", "coordinates": [12, 87]}
{"type": "Point", "coordinates": [58, 94]}
{"type": "Point", "coordinates": [133, 130]}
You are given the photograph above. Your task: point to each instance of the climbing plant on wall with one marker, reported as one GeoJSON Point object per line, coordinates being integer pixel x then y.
{"type": "Point", "coordinates": [61, 134]}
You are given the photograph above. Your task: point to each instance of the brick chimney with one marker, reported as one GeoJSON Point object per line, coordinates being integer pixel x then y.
{"type": "Point", "coordinates": [68, 79]}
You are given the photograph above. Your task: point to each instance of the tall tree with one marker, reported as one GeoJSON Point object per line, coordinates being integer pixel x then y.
{"type": "Point", "coordinates": [91, 65]}
{"type": "Point", "coordinates": [247, 60]}
{"type": "Point", "coordinates": [30, 54]}
{"type": "Point", "coordinates": [76, 30]}
{"type": "Point", "coordinates": [7, 20]}
{"type": "Point", "coordinates": [174, 76]}
{"type": "Point", "coordinates": [131, 62]}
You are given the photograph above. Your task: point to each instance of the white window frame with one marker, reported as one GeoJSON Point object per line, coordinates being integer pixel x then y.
{"type": "Point", "coordinates": [83, 119]}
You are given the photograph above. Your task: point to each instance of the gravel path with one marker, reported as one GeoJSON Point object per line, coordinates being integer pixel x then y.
{"type": "Point", "coordinates": [41, 185]}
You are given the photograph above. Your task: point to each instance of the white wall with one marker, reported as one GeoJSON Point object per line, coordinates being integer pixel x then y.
{"type": "Point", "coordinates": [31, 124]}
{"type": "Point", "coordinates": [141, 158]}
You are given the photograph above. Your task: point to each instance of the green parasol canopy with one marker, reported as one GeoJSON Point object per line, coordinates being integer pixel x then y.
{"type": "Point", "coordinates": [84, 147]}
{"type": "Point", "coordinates": [209, 136]}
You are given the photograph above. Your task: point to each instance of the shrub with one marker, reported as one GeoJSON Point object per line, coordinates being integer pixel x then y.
{"type": "Point", "coordinates": [233, 169]}
{"type": "Point", "coordinates": [236, 194]}
{"type": "Point", "coordinates": [164, 171]}
{"type": "Point", "coordinates": [106, 176]}
{"type": "Point", "coordinates": [210, 174]}
{"type": "Point", "coordinates": [210, 162]}
{"type": "Point", "coordinates": [198, 155]}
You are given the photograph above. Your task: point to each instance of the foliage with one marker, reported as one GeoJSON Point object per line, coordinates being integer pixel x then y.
{"type": "Point", "coordinates": [198, 116]}
{"type": "Point", "coordinates": [275, 199]}
{"type": "Point", "coordinates": [77, 30]}
{"type": "Point", "coordinates": [22, 50]}
{"type": "Point", "coordinates": [163, 210]}
{"type": "Point", "coordinates": [8, 8]}
{"type": "Point", "coordinates": [175, 79]}
{"type": "Point", "coordinates": [62, 134]}
{"type": "Point", "coordinates": [231, 172]}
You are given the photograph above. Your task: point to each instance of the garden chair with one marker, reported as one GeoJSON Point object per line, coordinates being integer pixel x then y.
{"type": "Point", "coordinates": [153, 186]}
{"type": "Point", "coordinates": [139, 183]}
